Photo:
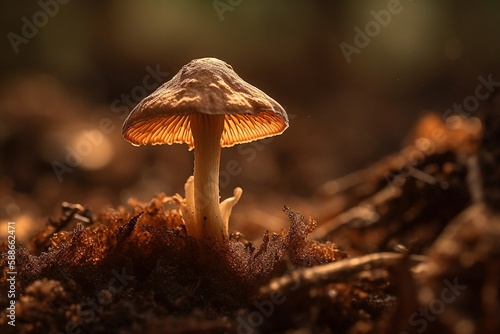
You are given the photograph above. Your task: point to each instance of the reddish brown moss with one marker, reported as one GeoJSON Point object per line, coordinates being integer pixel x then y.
{"type": "Point", "coordinates": [163, 273]}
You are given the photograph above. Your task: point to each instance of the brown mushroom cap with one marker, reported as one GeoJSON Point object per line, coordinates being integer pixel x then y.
{"type": "Point", "coordinates": [205, 86]}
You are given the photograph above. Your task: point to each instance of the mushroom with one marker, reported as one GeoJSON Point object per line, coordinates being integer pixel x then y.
{"type": "Point", "coordinates": [207, 106]}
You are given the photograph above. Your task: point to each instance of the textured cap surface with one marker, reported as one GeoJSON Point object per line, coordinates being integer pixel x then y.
{"type": "Point", "coordinates": [206, 86]}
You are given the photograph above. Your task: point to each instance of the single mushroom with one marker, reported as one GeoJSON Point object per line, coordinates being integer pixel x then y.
{"type": "Point", "coordinates": [207, 106]}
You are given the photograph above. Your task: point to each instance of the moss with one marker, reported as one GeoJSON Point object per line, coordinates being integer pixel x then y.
{"type": "Point", "coordinates": [141, 263]}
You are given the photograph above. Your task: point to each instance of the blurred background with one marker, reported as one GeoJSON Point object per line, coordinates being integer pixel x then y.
{"type": "Point", "coordinates": [354, 77]}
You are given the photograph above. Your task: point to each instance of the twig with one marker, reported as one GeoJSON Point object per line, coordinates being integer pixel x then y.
{"type": "Point", "coordinates": [364, 212]}
{"type": "Point", "coordinates": [336, 271]}
{"type": "Point", "coordinates": [474, 181]}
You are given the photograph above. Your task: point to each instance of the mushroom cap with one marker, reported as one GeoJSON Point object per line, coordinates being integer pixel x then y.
{"type": "Point", "coordinates": [205, 86]}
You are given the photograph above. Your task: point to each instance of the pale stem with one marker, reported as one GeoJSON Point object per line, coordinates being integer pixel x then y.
{"type": "Point", "coordinates": [207, 132]}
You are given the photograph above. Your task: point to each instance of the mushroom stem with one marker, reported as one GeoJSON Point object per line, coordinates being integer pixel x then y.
{"type": "Point", "coordinates": [207, 132]}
